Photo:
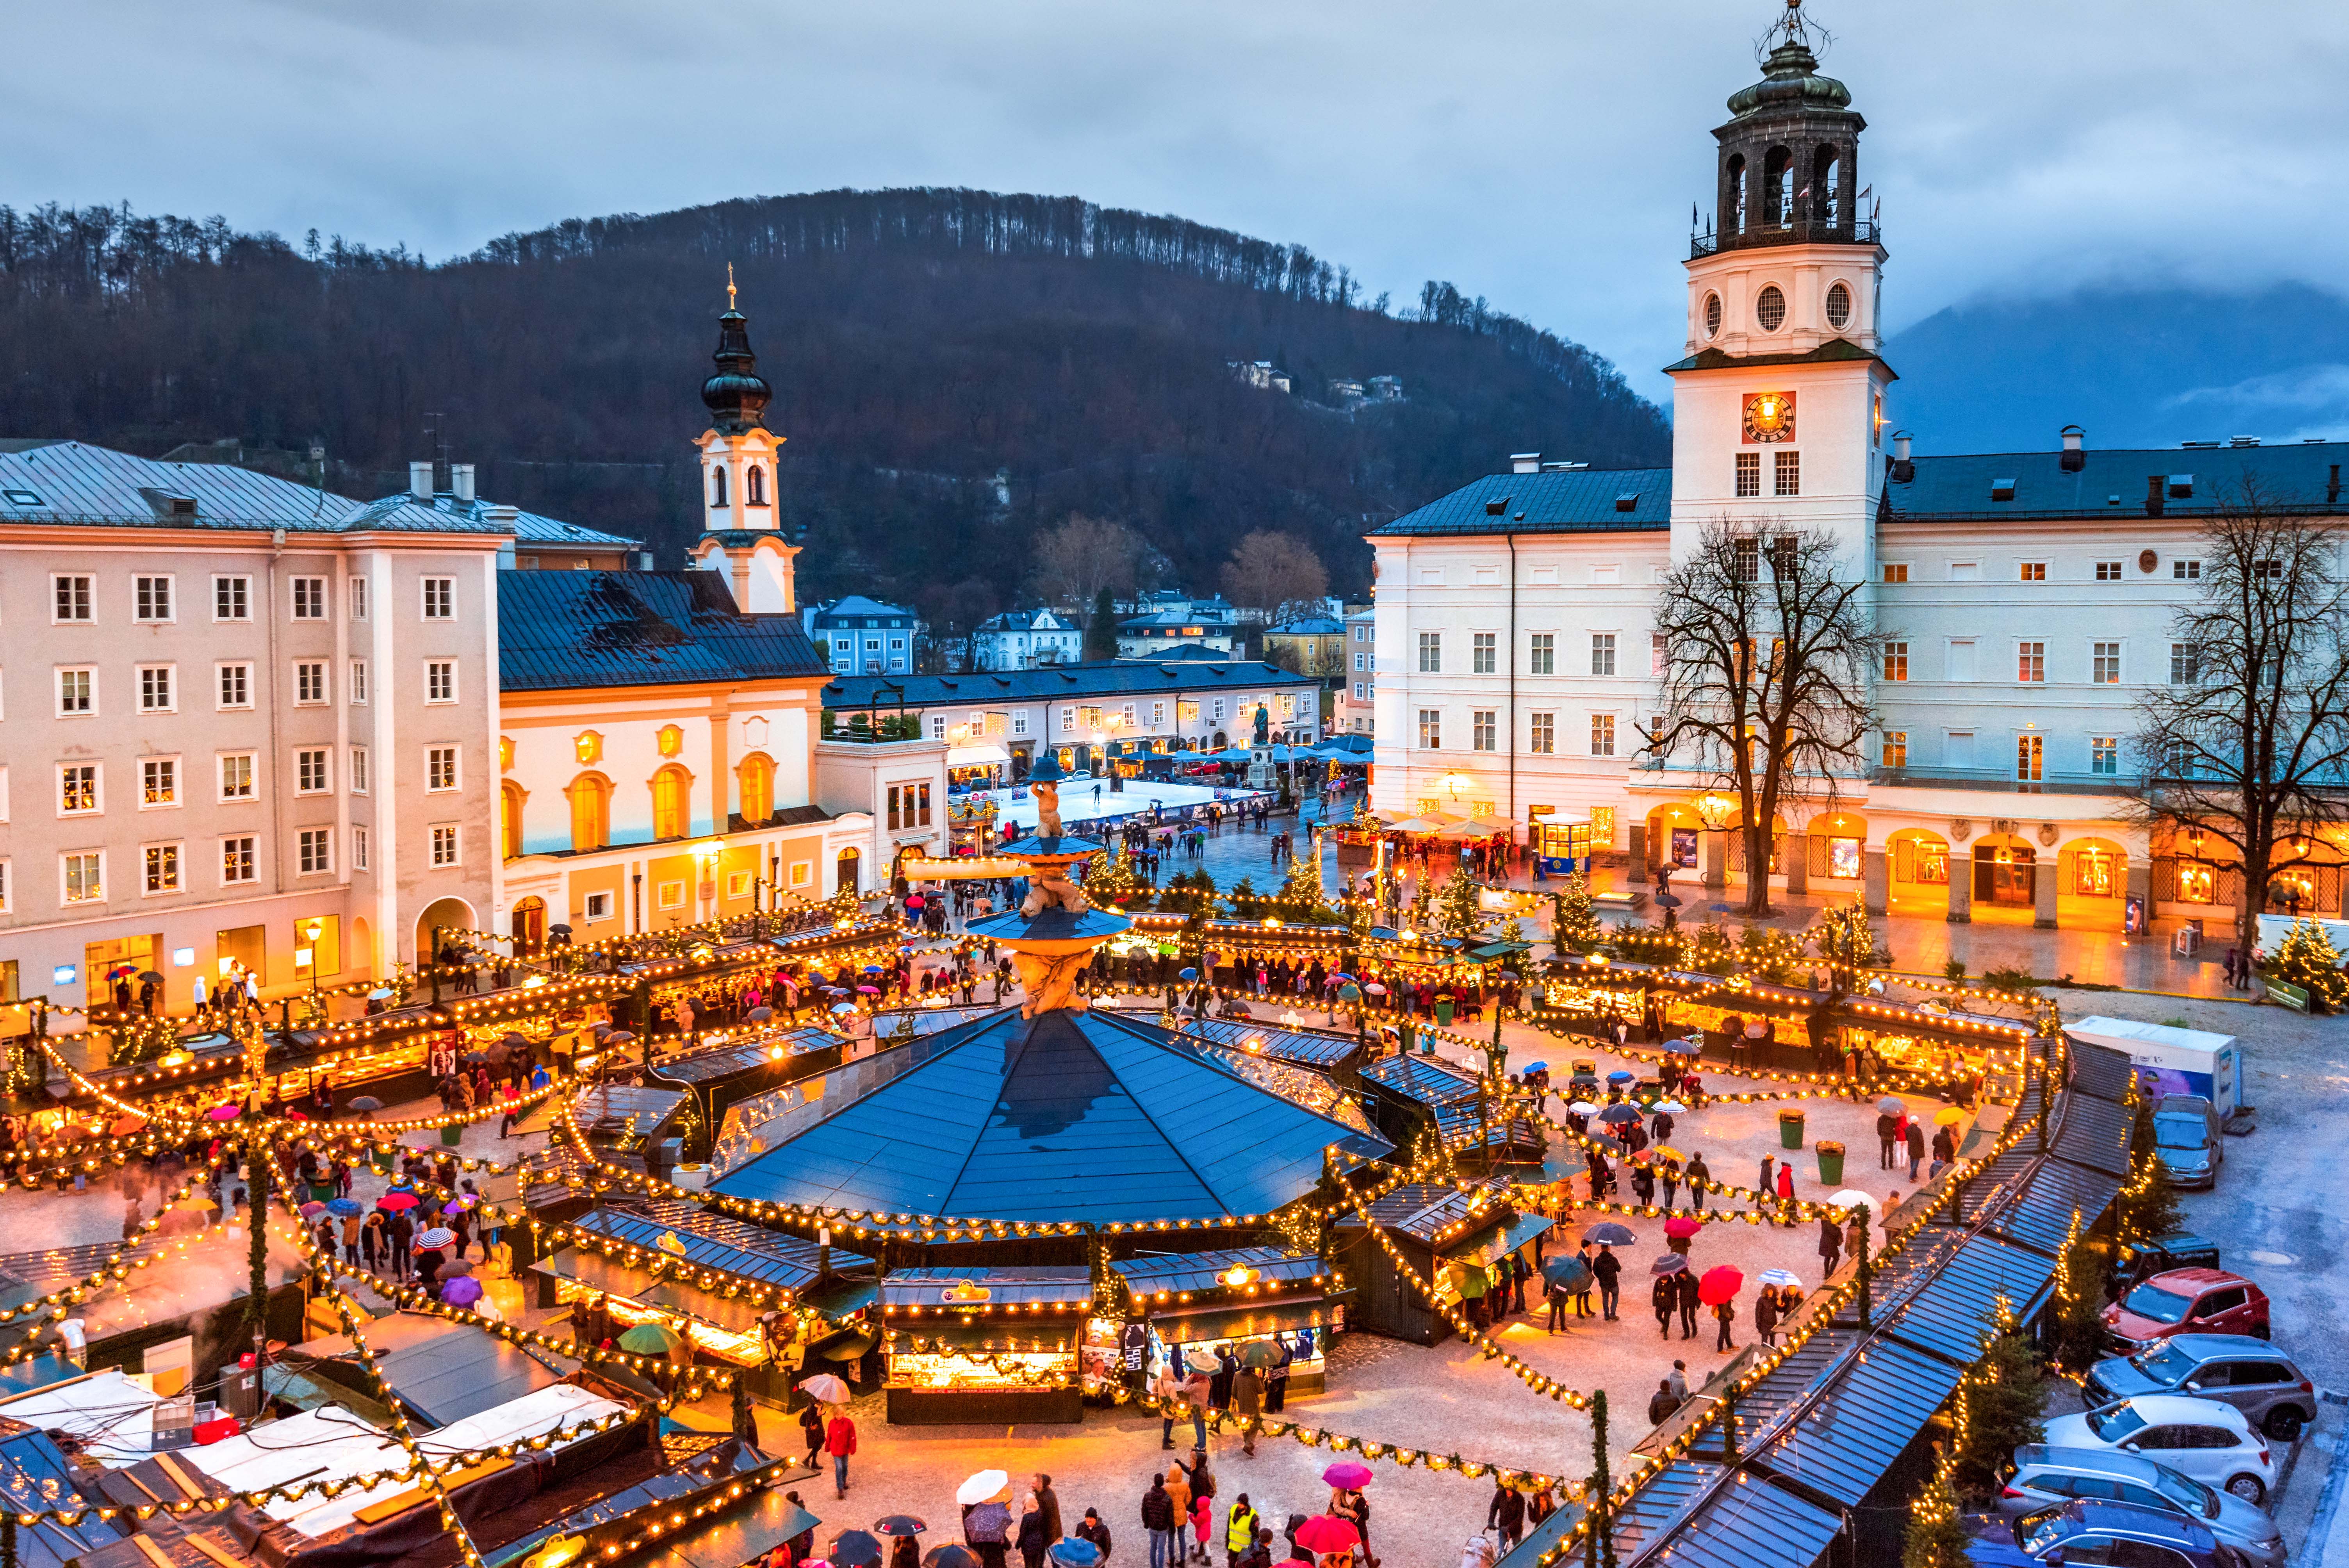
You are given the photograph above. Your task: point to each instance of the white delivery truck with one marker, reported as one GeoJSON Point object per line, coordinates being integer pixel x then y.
{"type": "Point", "coordinates": [2171, 1060]}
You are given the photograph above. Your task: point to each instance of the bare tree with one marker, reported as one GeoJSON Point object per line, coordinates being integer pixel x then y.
{"type": "Point", "coordinates": [1082, 556]}
{"type": "Point", "coordinates": [1275, 574]}
{"type": "Point", "coordinates": [1769, 659]}
{"type": "Point", "coordinates": [2249, 743]}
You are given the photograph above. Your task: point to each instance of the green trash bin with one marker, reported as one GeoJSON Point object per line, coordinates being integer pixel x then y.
{"type": "Point", "coordinates": [453, 1136]}
{"type": "Point", "coordinates": [1830, 1155]}
{"type": "Point", "coordinates": [1790, 1129]}
{"type": "Point", "coordinates": [1444, 1012]}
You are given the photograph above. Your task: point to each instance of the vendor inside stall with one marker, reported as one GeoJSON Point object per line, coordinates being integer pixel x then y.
{"type": "Point", "coordinates": [984, 1344]}
{"type": "Point", "coordinates": [1274, 1310]}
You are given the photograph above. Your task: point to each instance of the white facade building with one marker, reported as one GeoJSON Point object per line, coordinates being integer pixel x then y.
{"type": "Point", "coordinates": [2025, 599]}
{"type": "Point", "coordinates": [1027, 640]}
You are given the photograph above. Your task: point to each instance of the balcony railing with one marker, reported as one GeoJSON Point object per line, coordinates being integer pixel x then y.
{"type": "Point", "coordinates": [1801, 232]}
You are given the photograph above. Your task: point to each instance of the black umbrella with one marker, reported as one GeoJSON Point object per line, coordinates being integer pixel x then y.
{"type": "Point", "coordinates": [151, 975]}
{"type": "Point", "coordinates": [619, 1036]}
{"type": "Point", "coordinates": [1619, 1113]}
{"type": "Point", "coordinates": [950, 1555]}
{"type": "Point", "coordinates": [366, 1102]}
{"type": "Point", "coordinates": [1670, 901]}
{"type": "Point", "coordinates": [898, 1524]}
{"type": "Point", "coordinates": [1611, 1234]}
{"type": "Point", "coordinates": [759, 1014]}
{"type": "Point", "coordinates": [1671, 1263]}
{"type": "Point", "coordinates": [856, 1549]}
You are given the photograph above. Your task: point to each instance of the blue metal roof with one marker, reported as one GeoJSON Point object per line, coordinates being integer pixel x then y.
{"type": "Point", "coordinates": [2113, 483]}
{"type": "Point", "coordinates": [1058, 683]}
{"type": "Point", "coordinates": [713, 1241]}
{"type": "Point", "coordinates": [1201, 1272]}
{"type": "Point", "coordinates": [1950, 1315]}
{"type": "Point", "coordinates": [2096, 1133]}
{"type": "Point", "coordinates": [529, 527]}
{"type": "Point", "coordinates": [72, 482]}
{"type": "Point", "coordinates": [1748, 1523]}
{"type": "Point", "coordinates": [1068, 1116]}
{"type": "Point", "coordinates": [1582, 501]}
{"type": "Point", "coordinates": [1851, 1433]}
{"type": "Point", "coordinates": [2040, 1216]}
{"type": "Point", "coordinates": [1297, 1046]}
{"type": "Point", "coordinates": [560, 630]}
{"type": "Point", "coordinates": [848, 613]}
{"type": "Point", "coordinates": [1423, 1080]}
{"type": "Point", "coordinates": [2100, 1070]}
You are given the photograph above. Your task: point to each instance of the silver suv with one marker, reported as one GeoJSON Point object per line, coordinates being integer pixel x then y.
{"type": "Point", "coordinates": [2046, 1476]}
{"type": "Point", "coordinates": [2234, 1368]}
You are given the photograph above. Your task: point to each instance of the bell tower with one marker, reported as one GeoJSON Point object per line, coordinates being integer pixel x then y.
{"type": "Point", "coordinates": [740, 535]}
{"type": "Point", "coordinates": [1778, 408]}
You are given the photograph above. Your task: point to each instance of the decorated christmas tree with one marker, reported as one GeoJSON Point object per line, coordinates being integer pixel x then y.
{"type": "Point", "coordinates": [1846, 940]}
{"type": "Point", "coordinates": [1455, 912]}
{"type": "Point", "coordinates": [1938, 1536]}
{"type": "Point", "coordinates": [1300, 896]}
{"type": "Point", "coordinates": [2306, 959]}
{"type": "Point", "coordinates": [1111, 879]}
{"type": "Point", "coordinates": [2005, 1394]}
{"type": "Point", "coordinates": [1574, 921]}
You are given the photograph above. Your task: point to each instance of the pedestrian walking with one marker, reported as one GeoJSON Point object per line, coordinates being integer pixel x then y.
{"type": "Point", "coordinates": [1610, 1271]}
{"type": "Point", "coordinates": [1726, 1312]}
{"type": "Point", "coordinates": [812, 1430]}
{"type": "Point", "coordinates": [1785, 1194]}
{"type": "Point", "coordinates": [1663, 1296]}
{"type": "Point", "coordinates": [1765, 1315]}
{"type": "Point", "coordinates": [840, 1442]}
{"type": "Point", "coordinates": [1506, 1514]}
{"type": "Point", "coordinates": [1247, 1404]}
{"type": "Point", "coordinates": [1916, 1147]}
{"type": "Point", "coordinates": [1698, 1174]}
{"type": "Point", "coordinates": [1830, 1245]}
{"type": "Point", "coordinates": [1886, 1128]}
{"type": "Point", "coordinates": [1685, 1297]}
{"type": "Point", "coordinates": [1158, 1518]}
{"type": "Point", "coordinates": [1555, 1295]}
{"type": "Point", "coordinates": [1092, 1529]}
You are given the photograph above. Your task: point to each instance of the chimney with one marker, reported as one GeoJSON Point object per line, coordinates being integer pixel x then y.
{"type": "Point", "coordinates": [1524, 462]}
{"type": "Point", "coordinates": [2153, 499]}
{"type": "Point", "coordinates": [2333, 485]}
{"type": "Point", "coordinates": [2075, 460]}
{"type": "Point", "coordinates": [1903, 470]}
{"type": "Point", "coordinates": [460, 480]}
{"type": "Point", "coordinates": [420, 481]}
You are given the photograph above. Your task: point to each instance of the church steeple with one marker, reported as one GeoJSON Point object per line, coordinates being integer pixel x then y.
{"type": "Point", "coordinates": [737, 396]}
{"type": "Point", "coordinates": [1790, 152]}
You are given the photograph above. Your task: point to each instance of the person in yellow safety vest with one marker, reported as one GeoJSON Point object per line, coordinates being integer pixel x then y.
{"type": "Point", "coordinates": [1239, 1531]}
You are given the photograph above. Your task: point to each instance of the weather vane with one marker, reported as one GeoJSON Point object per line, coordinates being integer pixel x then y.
{"type": "Point", "coordinates": [730, 284]}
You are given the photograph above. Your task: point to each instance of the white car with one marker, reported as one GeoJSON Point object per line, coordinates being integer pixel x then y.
{"type": "Point", "coordinates": [2200, 1437]}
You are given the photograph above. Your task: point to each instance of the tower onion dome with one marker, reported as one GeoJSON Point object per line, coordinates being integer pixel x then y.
{"type": "Point", "coordinates": [737, 395]}
{"type": "Point", "coordinates": [1790, 73]}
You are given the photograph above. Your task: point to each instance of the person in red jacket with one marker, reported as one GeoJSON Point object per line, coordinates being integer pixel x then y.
{"type": "Point", "coordinates": [840, 1442]}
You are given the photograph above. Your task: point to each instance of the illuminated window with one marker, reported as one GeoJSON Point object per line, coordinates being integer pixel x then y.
{"type": "Point", "coordinates": [1544, 736]}
{"type": "Point", "coordinates": [670, 739]}
{"type": "Point", "coordinates": [587, 747]}
{"type": "Point", "coordinates": [1896, 571]}
{"type": "Point", "coordinates": [1896, 749]}
{"type": "Point", "coordinates": [2106, 665]}
{"type": "Point", "coordinates": [672, 809]}
{"type": "Point", "coordinates": [1602, 734]}
{"type": "Point", "coordinates": [1431, 728]}
{"type": "Point", "coordinates": [757, 781]}
{"type": "Point", "coordinates": [2031, 661]}
{"type": "Point", "coordinates": [1896, 661]}
{"type": "Point", "coordinates": [2104, 754]}
{"type": "Point", "coordinates": [509, 802]}
{"type": "Point", "coordinates": [590, 811]}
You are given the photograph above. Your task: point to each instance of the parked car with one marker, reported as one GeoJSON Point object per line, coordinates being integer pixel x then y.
{"type": "Point", "coordinates": [2089, 1533]}
{"type": "Point", "coordinates": [2048, 1477]}
{"type": "Point", "coordinates": [2187, 1301]}
{"type": "Point", "coordinates": [2133, 1264]}
{"type": "Point", "coordinates": [2235, 1369]}
{"type": "Point", "coordinates": [2186, 1139]}
{"type": "Point", "coordinates": [2199, 1437]}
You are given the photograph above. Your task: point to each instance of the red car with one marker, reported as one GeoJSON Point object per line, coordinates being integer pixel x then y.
{"type": "Point", "coordinates": [2187, 1301]}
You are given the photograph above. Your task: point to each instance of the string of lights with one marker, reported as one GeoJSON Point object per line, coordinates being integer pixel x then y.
{"type": "Point", "coordinates": [1180, 1409]}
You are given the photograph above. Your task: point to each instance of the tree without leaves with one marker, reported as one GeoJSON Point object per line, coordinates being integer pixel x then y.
{"type": "Point", "coordinates": [1101, 632]}
{"type": "Point", "coordinates": [1276, 574]}
{"type": "Point", "coordinates": [2254, 747]}
{"type": "Point", "coordinates": [1768, 657]}
{"type": "Point", "coordinates": [1084, 557]}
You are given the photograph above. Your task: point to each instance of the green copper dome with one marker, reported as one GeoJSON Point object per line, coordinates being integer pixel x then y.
{"type": "Point", "coordinates": [1790, 80]}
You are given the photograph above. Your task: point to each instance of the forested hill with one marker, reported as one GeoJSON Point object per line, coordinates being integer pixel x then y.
{"type": "Point", "coordinates": [921, 344]}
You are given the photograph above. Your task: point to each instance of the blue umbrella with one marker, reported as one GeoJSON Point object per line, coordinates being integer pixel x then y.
{"type": "Point", "coordinates": [1190, 974]}
{"type": "Point", "coordinates": [1609, 1234]}
{"type": "Point", "coordinates": [1535, 1067]}
{"type": "Point", "coordinates": [344, 1206]}
{"type": "Point", "coordinates": [1618, 1076]}
{"type": "Point", "coordinates": [1683, 1047]}
{"type": "Point", "coordinates": [1070, 1553]}
{"type": "Point", "coordinates": [1567, 1272]}
{"type": "Point", "coordinates": [872, 969]}
{"type": "Point", "coordinates": [1344, 979]}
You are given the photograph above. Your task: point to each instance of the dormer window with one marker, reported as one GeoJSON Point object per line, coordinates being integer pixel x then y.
{"type": "Point", "coordinates": [2001, 490]}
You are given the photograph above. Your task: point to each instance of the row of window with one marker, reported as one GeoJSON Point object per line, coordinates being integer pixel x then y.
{"type": "Point", "coordinates": [155, 599]}
{"type": "Point", "coordinates": [236, 683]}
{"type": "Point", "coordinates": [2101, 666]}
{"type": "Point", "coordinates": [81, 786]}
{"type": "Point", "coordinates": [1541, 654]}
{"type": "Point", "coordinates": [2037, 571]}
{"type": "Point", "coordinates": [1541, 731]}
{"type": "Point", "coordinates": [2031, 750]}
{"type": "Point", "coordinates": [1785, 473]}
{"type": "Point", "coordinates": [163, 867]}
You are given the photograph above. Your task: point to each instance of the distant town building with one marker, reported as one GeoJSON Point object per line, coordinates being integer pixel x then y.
{"type": "Point", "coordinates": [1357, 697]}
{"type": "Point", "coordinates": [1259, 374]}
{"type": "Point", "coordinates": [1344, 392]}
{"type": "Point", "coordinates": [1312, 645]}
{"type": "Point", "coordinates": [1386, 388]}
{"type": "Point", "coordinates": [863, 636]}
{"type": "Point", "coordinates": [1165, 619]}
{"type": "Point", "coordinates": [1027, 640]}
{"type": "Point", "coordinates": [1199, 653]}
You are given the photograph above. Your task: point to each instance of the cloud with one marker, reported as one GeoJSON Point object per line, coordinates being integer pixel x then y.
{"type": "Point", "coordinates": [1542, 155]}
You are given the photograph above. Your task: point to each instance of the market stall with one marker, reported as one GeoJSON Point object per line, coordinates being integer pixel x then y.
{"type": "Point", "coordinates": [984, 1344]}
{"type": "Point", "coordinates": [1269, 1306]}
{"type": "Point", "coordinates": [743, 1063]}
{"type": "Point", "coordinates": [1450, 1238]}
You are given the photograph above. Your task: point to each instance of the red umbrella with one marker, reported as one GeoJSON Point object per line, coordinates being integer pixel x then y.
{"type": "Point", "coordinates": [1327, 1533]}
{"type": "Point", "coordinates": [396, 1201]}
{"type": "Point", "coordinates": [1681, 1225]}
{"type": "Point", "coordinates": [1719, 1286]}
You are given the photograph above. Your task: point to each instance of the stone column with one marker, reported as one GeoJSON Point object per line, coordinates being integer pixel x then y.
{"type": "Point", "coordinates": [1713, 851]}
{"type": "Point", "coordinates": [1639, 852]}
{"type": "Point", "coordinates": [1962, 885]}
{"type": "Point", "coordinates": [1876, 879]}
{"type": "Point", "coordinates": [2043, 893]}
{"type": "Point", "coordinates": [1795, 850]}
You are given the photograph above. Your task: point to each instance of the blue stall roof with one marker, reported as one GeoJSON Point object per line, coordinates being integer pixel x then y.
{"type": "Point", "coordinates": [1299, 1048]}
{"type": "Point", "coordinates": [1952, 1313]}
{"type": "Point", "coordinates": [2096, 1133]}
{"type": "Point", "coordinates": [36, 1477]}
{"type": "Point", "coordinates": [1076, 1116]}
{"type": "Point", "coordinates": [2039, 1216]}
{"type": "Point", "coordinates": [1431, 1215]}
{"type": "Point", "coordinates": [1198, 1271]}
{"type": "Point", "coordinates": [1850, 1434]}
{"type": "Point", "coordinates": [705, 1239]}
{"type": "Point", "coordinates": [1747, 1523]}
{"type": "Point", "coordinates": [1425, 1080]}
{"type": "Point", "coordinates": [1783, 1387]}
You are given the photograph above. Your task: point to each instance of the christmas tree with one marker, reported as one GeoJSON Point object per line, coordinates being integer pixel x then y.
{"type": "Point", "coordinates": [2149, 1201]}
{"type": "Point", "coordinates": [1844, 937]}
{"type": "Point", "coordinates": [1300, 898]}
{"type": "Point", "coordinates": [1456, 914]}
{"type": "Point", "coordinates": [1938, 1536]}
{"type": "Point", "coordinates": [2004, 1392]}
{"type": "Point", "coordinates": [2304, 958]}
{"type": "Point", "coordinates": [1574, 922]}
{"type": "Point", "coordinates": [1111, 879]}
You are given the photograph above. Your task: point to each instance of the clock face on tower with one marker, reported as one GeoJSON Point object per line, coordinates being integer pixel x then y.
{"type": "Point", "coordinates": [1769, 417]}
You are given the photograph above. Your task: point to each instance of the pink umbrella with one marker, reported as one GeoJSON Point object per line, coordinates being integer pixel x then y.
{"type": "Point", "coordinates": [868, 990]}
{"type": "Point", "coordinates": [1681, 1225]}
{"type": "Point", "coordinates": [225, 1112]}
{"type": "Point", "coordinates": [1347, 1474]}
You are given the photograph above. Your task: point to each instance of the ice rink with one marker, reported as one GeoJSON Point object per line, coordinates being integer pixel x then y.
{"type": "Point", "coordinates": [1086, 799]}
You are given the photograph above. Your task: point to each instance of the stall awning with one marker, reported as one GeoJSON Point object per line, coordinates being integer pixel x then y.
{"type": "Point", "coordinates": [1494, 1244]}
{"type": "Point", "coordinates": [978, 756]}
{"type": "Point", "coordinates": [706, 1240]}
{"type": "Point", "coordinates": [1012, 1285]}
{"type": "Point", "coordinates": [443, 1371]}
{"type": "Point", "coordinates": [602, 1273]}
{"type": "Point", "coordinates": [1005, 1334]}
{"type": "Point", "coordinates": [738, 1538]}
{"type": "Point", "coordinates": [1208, 1325]}
{"type": "Point", "coordinates": [1203, 1272]}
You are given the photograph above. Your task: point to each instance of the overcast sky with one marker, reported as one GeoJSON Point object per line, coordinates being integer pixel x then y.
{"type": "Point", "coordinates": [1544, 155]}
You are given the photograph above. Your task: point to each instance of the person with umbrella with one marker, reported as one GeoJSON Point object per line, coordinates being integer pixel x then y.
{"type": "Point", "coordinates": [1765, 1314]}
{"type": "Point", "coordinates": [1094, 1534]}
{"type": "Point", "coordinates": [1247, 1402]}
{"type": "Point", "coordinates": [1275, 1376]}
{"type": "Point", "coordinates": [1687, 1296]}
{"type": "Point", "coordinates": [811, 1430]}
{"type": "Point", "coordinates": [1663, 1297]}
{"type": "Point", "coordinates": [1608, 1270]}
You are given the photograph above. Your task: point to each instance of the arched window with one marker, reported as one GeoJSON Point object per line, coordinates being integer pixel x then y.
{"type": "Point", "coordinates": [757, 485]}
{"type": "Point", "coordinates": [1777, 187]}
{"type": "Point", "coordinates": [510, 819]}
{"type": "Point", "coordinates": [1732, 196]}
{"type": "Point", "coordinates": [590, 811]}
{"type": "Point", "coordinates": [672, 803]}
{"type": "Point", "coordinates": [756, 779]}
{"type": "Point", "coordinates": [716, 487]}
{"type": "Point", "coordinates": [1826, 188]}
